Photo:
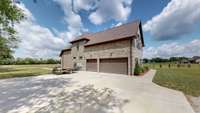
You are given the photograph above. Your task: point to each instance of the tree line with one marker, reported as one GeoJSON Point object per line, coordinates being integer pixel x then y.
{"type": "Point", "coordinates": [26, 61]}
{"type": "Point", "coordinates": [10, 14]}
{"type": "Point", "coordinates": [160, 60]}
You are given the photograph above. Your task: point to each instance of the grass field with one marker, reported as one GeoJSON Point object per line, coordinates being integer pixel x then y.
{"type": "Point", "coordinates": [183, 78]}
{"type": "Point", "coordinates": [8, 71]}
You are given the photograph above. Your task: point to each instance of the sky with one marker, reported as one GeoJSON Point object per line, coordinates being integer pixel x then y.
{"type": "Point", "coordinates": [170, 27]}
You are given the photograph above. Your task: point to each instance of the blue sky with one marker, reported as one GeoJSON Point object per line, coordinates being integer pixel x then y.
{"type": "Point", "coordinates": [171, 27]}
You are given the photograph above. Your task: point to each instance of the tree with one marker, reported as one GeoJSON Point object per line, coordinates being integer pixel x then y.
{"type": "Point", "coordinates": [4, 50]}
{"type": "Point", "coordinates": [145, 60]}
{"type": "Point", "coordinates": [9, 14]}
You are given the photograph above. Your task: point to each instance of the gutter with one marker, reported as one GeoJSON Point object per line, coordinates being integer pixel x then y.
{"type": "Point", "coordinates": [131, 63]}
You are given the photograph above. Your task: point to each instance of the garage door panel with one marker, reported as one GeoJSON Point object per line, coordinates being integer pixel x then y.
{"type": "Point", "coordinates": [91, 65]}
{"type": "Point", "coordinates": [118, 65]}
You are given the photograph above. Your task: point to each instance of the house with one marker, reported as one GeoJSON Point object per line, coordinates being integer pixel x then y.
{"type": "Point", "coordinates": [185, 61]}
{"type": "Point", "coordinates": [115, 50]}
{"type": "Point", "coordinates": [196, 59]}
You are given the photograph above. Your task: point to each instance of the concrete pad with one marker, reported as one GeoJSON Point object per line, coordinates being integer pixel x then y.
{"type": "Point", "coordinates": [89, 92]}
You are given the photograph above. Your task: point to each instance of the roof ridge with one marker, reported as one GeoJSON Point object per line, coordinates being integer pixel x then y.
{"type": "Point", "coordinates": [93, 33]}
{"type": "Point", "coordinates": [135, 21]}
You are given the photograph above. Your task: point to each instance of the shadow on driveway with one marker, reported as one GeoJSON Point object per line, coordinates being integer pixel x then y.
{"type": "Point", "coordinates": [56, 95]}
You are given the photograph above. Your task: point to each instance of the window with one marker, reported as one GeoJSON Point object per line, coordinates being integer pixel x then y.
{"type": "Point", "coordinates": [74, 57]}
{"type": "Point", "coordinates": [77, 47]}
{"type": "Point", "coordinates": [136, 61]}
{"type": "Point", "coordinates": [81, 57]}
{"type": "Point", "coordinates": [138, 45]}
{"type": "Point", "coordinates": [135, 43]}
{"type": "Point", "coordinates": [141, 61]}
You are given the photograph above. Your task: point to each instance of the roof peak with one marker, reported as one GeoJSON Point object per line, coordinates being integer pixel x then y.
{"type": "Point", "coordinates": [111, 28]}
{"type": "Point", "coordinates": [90, 33]}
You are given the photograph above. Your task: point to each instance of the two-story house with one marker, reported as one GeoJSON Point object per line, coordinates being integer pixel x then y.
{"type": "Point", "coordinates": [115, 50]}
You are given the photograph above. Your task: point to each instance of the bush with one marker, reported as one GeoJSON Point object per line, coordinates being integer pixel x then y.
{"type": "Point", "coordinates": [146, 68]}
{"type": "Point", "coordinates": [142, 70]}
{"type": "Point", "coordinates": [137, 69]}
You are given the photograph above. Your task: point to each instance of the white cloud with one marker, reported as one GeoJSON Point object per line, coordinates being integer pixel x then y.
{"type": "Point", "coordinates": [99, 12]}
{"type": "Point", "coordinates": [118, 24]}
{"type": "Point", "coordinates": [174, 49]}
{"type": "Point", "coordinates": [37, 41]}
{"type": "Point", "coordinates": [178, 18]}
{"type": "Point", "coordinates": [118, 10]}
{"type": "Point", "coordinates": [84, 5]}
{"type": "Point", "coordinates": [72, 19]}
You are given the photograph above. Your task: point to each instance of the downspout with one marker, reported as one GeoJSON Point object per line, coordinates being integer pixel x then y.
{"type": "Point", "coordinates": [61, 61]}
{"type": "Point", "coordinates": [131, 63]}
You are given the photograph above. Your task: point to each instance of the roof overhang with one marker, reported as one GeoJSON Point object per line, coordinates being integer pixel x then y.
{"type": "Point", "coordinates": [62, 51]}
{"type": "Point", "coordinates": [141, 32]}
{"type": "Point", "coordinates": [77, 40]}
{"type": "Point", "coordinates": [93, 44]}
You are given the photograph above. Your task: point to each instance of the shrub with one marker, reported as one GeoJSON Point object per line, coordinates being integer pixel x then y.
{"type": "Point", "coordinates": [142, 70]}
{"type": "Point", "coordinates": [169, 65]}
{"type": "Point", "coordinates": [137, 69]}
{"type": "Point", "coordinates": [146, 68]}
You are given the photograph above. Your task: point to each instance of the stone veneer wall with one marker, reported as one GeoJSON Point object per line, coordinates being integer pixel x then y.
{"type": "Point", "coordinates": [77, 54]}
{"type": "Point", "coordinates": [137, 50]}
{"type": "Point", "coordinates": [66, 60]}
{"type": "Point", "coordinates": [117, 49]}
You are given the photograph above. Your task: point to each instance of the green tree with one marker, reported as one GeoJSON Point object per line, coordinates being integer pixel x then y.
{"type": "Point", "coordinates": [9, 14]}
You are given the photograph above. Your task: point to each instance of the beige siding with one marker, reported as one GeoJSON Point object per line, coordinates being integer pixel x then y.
{"type": "Point", "coordinates": [78, 54]}
{"type": "Point", "coordinates": [108, 50]}
{"type": "Point", "coordinates": [117, 49]}
{"type": "Point", "coordinates": [66, 60]}
{"type": "Point", "coordinates": [137, 50]}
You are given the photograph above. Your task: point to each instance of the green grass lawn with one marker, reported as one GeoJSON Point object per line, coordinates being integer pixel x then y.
{"type": "Point", "coordinates": [9, 71]}
{"type": "Point", "coordinates": [184, 79]}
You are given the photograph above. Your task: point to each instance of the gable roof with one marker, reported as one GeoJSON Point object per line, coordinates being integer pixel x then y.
{"type": "Point", "coordinates": [128, 30]}
{"type": "Point", "coordinates": [67, 49]}
{"type": "Point", "coordinates": [81, 37]}
{"type": "Point", "coordinates": [120, 32]}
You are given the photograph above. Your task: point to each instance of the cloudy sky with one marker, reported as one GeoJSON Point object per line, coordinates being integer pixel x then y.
{"type": "Point", "coordinates": [171, 27]}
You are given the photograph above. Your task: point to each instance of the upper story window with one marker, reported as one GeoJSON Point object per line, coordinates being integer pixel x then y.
{"type": "Point", "coordinates": [77, 47]}
{"type": "Point", "coordinates": [135, 43]}
{"type": "Point", "coordinates": [136, 61]}
{"type": "Point", "coordinates": [138, 45]}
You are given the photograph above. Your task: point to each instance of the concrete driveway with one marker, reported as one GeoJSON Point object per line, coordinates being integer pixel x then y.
{"type": "Point", "coordinates": [89, 92]}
